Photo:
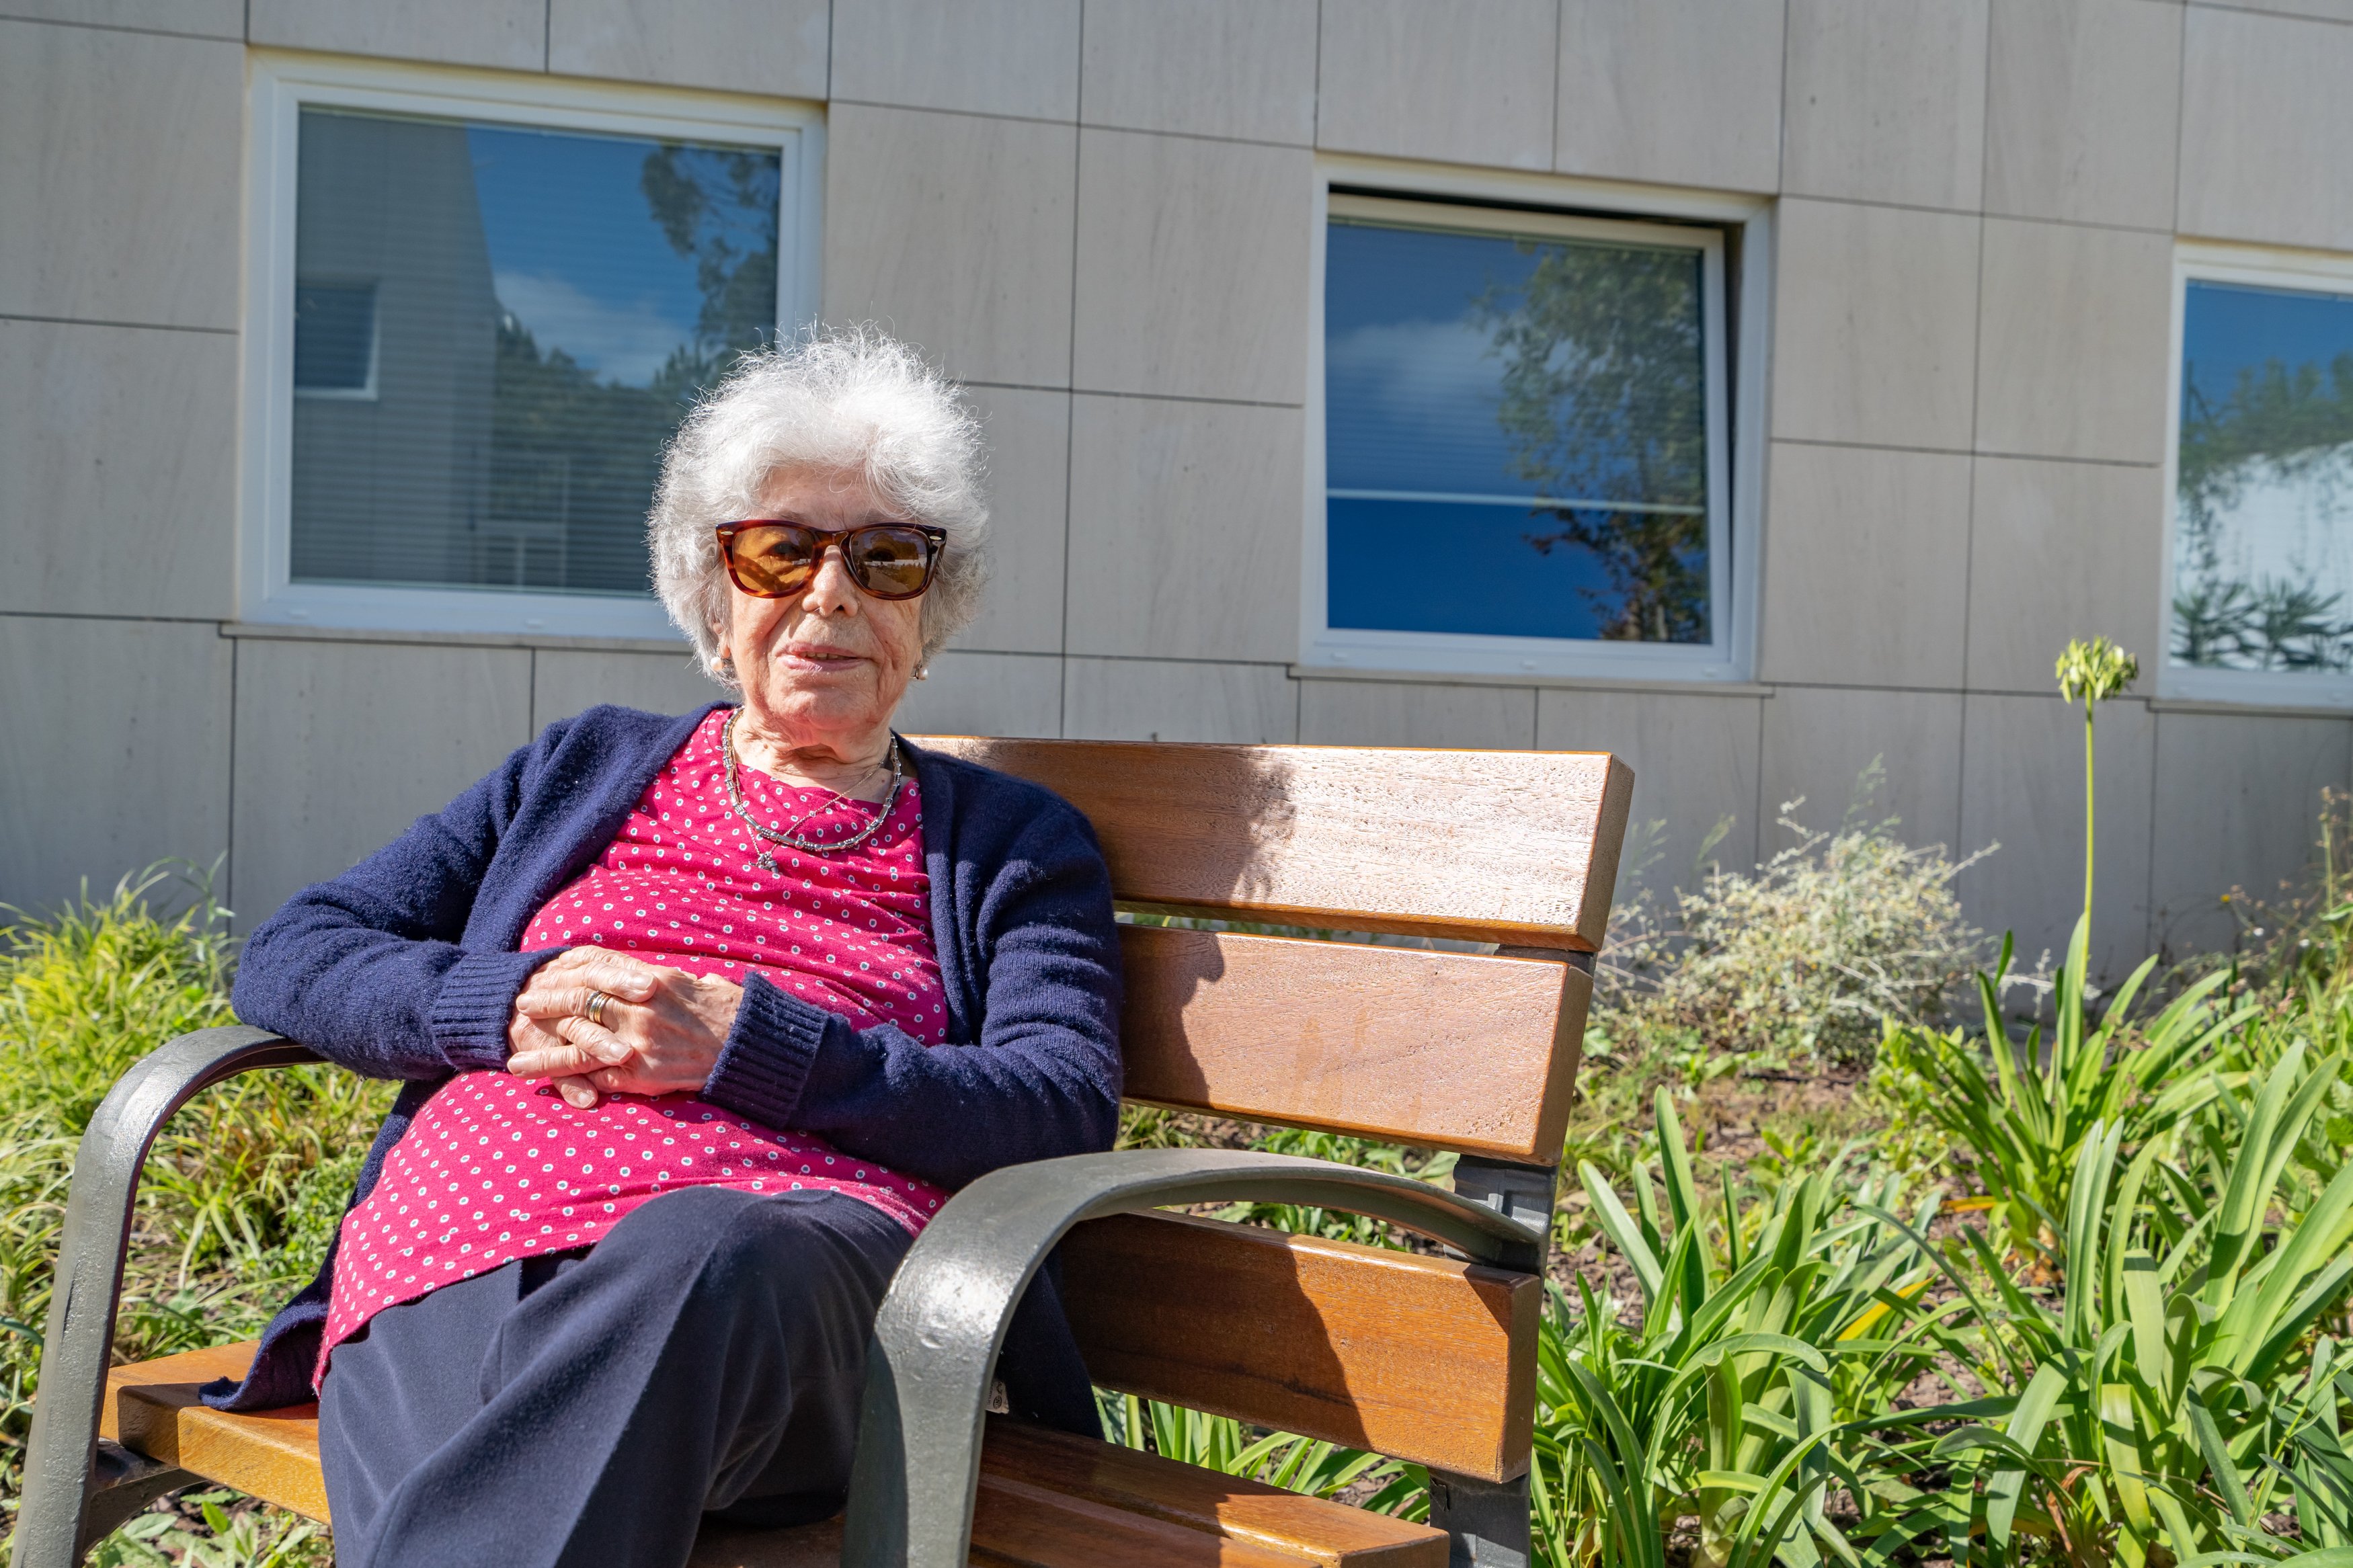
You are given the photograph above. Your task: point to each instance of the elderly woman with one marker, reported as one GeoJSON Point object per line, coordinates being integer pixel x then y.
{"type": "Point", "coordinates": [703, 1018]}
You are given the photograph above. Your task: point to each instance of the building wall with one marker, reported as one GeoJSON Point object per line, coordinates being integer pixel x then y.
{"type": "Point", "coordinates": [1098, 214]}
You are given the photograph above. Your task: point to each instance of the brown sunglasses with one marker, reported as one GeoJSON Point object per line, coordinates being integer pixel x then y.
{"type": "Point", "coordinates": [774, 558]}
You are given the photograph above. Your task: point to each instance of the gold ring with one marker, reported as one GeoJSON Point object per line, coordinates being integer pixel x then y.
{"type": "Point", "coordinates": [596, 1013]}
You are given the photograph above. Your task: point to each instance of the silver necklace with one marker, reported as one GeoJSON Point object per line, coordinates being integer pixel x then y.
{"type": "Point", "coordinates": [788, 838]}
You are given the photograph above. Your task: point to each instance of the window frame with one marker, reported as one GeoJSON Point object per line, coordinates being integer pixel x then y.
{"type": "Point", "coordinates": [281, 88]}
{"type": "Point", "coordinates": [1733, 307]}
{"type": "Point", "coordinates": [2265, 266]}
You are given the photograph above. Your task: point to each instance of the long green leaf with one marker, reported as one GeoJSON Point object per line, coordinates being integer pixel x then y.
{"type": "Point", "coordinates": [2086, 1208]}
{"type": "Point", "coordinates": [2024, 1429]}
{"type": "Point", "coordinates": [1674, 1162]}
{"type": "Point", "coordinates": [2218, 1463]}
{"type": "Point", "coordinates": [2247, 1193]}
{"type": "Point", "coordinates": [1621, 1230]}
{"type": "Point", "coordinates": [2254, 1318]}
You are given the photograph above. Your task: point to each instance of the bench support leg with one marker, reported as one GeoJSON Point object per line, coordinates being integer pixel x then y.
{"type": "Point", "coordinates": [122, 1485]}
{"type": "Point", "coordinates": [1523, 1193]}
{"type": "Point", "coordinates": [64, 1475]}
{"type": "Point", "coordinates": [1486, 1522]}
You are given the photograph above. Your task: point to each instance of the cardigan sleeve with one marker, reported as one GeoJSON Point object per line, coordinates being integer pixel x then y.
{"type": "Point", "coordinates": [1043, 1080]}
{"type": "Point", "coordinates": [365, 968]}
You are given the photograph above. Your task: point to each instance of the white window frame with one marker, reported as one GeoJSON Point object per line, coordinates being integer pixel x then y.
{"type": "Point", "coordinates": [283, 86]}
{"type": "Point", "coordinates": [2269, 267]}
{"type": "Point", "coordinates": [1735, 401]}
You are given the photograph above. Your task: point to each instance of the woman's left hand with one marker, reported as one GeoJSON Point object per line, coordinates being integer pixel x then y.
{"type": "Point", "coordinates": [673, 1039]}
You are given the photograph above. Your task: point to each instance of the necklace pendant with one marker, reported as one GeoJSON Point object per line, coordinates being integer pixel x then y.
{"type": "Point", "coordinates": [767, 862]}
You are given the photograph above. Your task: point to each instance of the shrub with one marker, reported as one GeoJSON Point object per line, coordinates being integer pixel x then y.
{"type": "Point", "coordinates": [246, 1185]}
{"type": "Point", "coordinates": [1801, 959]}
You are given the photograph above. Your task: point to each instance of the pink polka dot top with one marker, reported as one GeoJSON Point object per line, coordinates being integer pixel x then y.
{"type": "Point", "coordinates": [497, 1167]}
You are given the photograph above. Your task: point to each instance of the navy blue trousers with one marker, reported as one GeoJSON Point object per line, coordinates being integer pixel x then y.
{"type": "Point", "coordinates": [707, 1356]}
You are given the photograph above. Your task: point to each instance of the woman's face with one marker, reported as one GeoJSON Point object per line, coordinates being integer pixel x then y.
{"type": "Point", "coordinates": [827, 669]}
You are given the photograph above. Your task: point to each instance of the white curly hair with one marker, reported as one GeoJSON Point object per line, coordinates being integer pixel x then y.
{"type": "Point", "coordinates": [849, 399]}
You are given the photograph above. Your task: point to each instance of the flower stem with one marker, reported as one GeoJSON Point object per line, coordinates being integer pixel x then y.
{"type": "Point", "coordinates": [2090, 799]}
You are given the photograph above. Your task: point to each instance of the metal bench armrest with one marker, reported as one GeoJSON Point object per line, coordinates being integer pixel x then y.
{"type": "Point", "coordinates": [88, 1282]}
{"type": "Point", "coordinates": [939, 1331]}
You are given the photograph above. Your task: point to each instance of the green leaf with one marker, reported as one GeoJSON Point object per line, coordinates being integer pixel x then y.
{"type": "Point", "coordinates": [2127, 1469]}
{"type": "Point", "coordinates": [2024, 1429]}
{"type": "Point", "coordinates": [2249, 1187]}
{"type": "Point", "coordinates": [1674, 1160]}
{"type": "Point", "coordinates": [2144, 1306]}
{"type": "Point", "coordinates": [1623, 1233]}
{"type": "Point", "coordinates": [2217, 1454]}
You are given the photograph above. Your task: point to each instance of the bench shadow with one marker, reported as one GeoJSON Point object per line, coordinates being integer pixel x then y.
{"type": "Point", "coordinates": [1228, 821]}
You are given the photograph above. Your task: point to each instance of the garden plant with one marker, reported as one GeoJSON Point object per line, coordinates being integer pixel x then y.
{"type": "Point", "coordinates": [2068, 1288]}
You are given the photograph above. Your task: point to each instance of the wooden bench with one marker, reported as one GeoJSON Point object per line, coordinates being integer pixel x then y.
{"type": "Point", "coordinates": [1428, 1359]}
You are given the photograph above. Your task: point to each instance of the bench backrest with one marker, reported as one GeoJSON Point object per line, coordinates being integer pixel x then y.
{"type": "Point", "coordinates": [1417, 1357]}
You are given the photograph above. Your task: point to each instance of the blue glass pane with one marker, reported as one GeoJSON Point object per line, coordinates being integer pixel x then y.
{"type": "Point", "coordinates": [1412, 387]}
{"type": "Point", "coordinates": [1496, 571]}
{"type": "Point", "coordinates": [2263, 545]}
{"type": "Point", "coordinates": [1466, 366]}
{"type": "Point", "coordinates": [334, 337]}
{"type": "Point", "coordinates": [546, 306]}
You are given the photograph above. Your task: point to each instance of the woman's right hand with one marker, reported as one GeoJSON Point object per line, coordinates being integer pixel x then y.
{"type": "Point", "coordinates": [590, 968]}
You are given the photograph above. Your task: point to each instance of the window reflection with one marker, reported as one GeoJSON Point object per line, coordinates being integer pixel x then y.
{"type": "Point", "coordinates": [334, 339]}
{"type": "Point", "coordinates": [535, 311]}
{"type": "Point", "coordinates": [2264, 556]}
{"type": "Point", "coordinates": [1516, 435]}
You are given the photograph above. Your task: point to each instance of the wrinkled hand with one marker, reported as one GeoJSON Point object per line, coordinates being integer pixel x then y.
{"type": "Point", "coordinates": [661, 1033]}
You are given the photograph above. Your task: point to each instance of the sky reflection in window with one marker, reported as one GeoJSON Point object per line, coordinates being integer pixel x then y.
{"type": "Point", "coordinates": [545, 305]}
{"type": "Point", "coordinates": [1516, 435]}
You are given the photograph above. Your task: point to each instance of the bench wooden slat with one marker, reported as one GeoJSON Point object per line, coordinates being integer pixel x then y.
{"type": "Point", "coordinates": [1019, 1526]}
{"type": "Point", "coordinates": [1251, 1512]}
{"type": "Point", "coordinates": [1047, 1499]}
{"type": "Point", "coordinates": [1421, 1358]}
{"type": "Point", "coordinates": [1519, 848]}
{"type": "Point", "coordinates": [1448, 1050]}
{"type": "Point", "coordinates": [152, 1409]}
{"type": "Point", "coordinates": [807, 1546]}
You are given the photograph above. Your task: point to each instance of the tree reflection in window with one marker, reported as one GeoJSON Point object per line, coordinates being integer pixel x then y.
{"type": "Point", "coordinates": [579, 454]}
{"type": "Point", "coordinates": [1525, 416]}
{"type": "Point", "coordinates": [1605, 399]}
{"type": "Point", "coordinates": [543, 307]}
{"type": "Point", "coordinates": [2262, 558]}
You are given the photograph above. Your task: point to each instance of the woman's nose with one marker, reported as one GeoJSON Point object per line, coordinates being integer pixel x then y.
{"type": "Point", "coordinates": [831, 591]}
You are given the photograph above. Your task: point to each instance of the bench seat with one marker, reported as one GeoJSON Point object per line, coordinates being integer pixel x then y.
{"type": "Point", "coordinates": [1047, 1499]}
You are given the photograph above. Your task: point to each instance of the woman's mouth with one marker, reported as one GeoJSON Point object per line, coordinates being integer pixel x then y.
{"type": "Point", "coordinates": [820, 657]}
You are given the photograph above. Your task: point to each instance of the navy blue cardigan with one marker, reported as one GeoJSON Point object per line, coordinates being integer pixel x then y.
{"type": "Point", "coordinates": [405, 966]}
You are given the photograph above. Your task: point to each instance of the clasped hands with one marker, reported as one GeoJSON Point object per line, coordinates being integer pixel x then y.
{"type": "Point", "coordinates": [659, 1030]}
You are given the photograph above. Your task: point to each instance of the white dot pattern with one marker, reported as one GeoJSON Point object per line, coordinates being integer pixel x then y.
{"type": "Point", "coordinates": [496, 1167]}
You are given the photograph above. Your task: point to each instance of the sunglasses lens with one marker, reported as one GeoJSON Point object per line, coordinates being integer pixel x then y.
{"type": "Point", "coordinates": [772, 561]}
{"type": "Point", "coordinates": [890, 563]}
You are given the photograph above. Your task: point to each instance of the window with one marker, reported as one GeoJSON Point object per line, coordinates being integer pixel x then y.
{"type": "Point", "coordinates": [2261, 601]}
{"type": "Point", "coordinates": [485, 309]}
{"type": "Point", "coordinates": [1525, 463]}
